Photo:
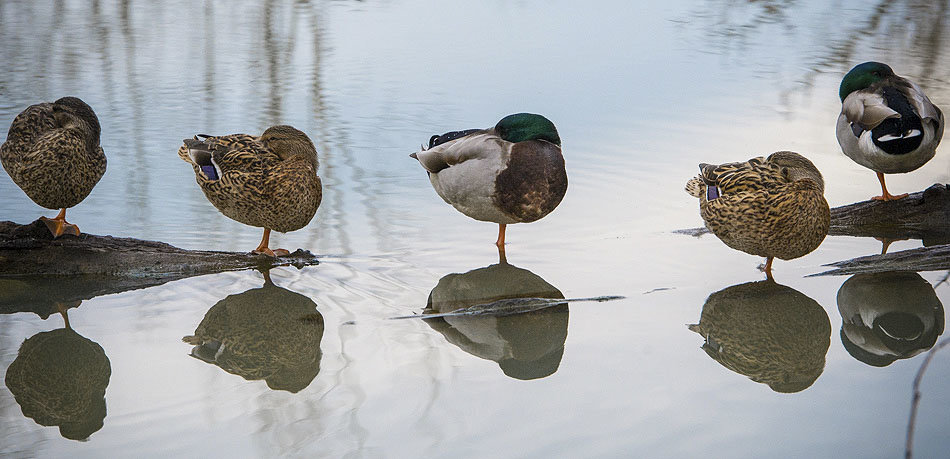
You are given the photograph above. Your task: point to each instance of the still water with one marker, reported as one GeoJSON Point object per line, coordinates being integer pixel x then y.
{"type": "Point", "coordinates": [640, 95]}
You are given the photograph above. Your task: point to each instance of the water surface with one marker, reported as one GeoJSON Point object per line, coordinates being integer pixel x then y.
{"type": "Point", "coordinates": [639, 96]}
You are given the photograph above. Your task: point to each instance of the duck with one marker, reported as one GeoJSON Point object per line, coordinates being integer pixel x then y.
{"type": "Point", "coordinates": [510, 173]}
{"type": "Point", "coordinates": [52, 153]}
{"type": "Point", "coordinates": [887, 123]}
{"type": "Point", "coordinates": [267, 333]}
{"type": "Point", "coordinates": [268, 181]}
{"type": "Point", "coordinates": [771, 333]}
{"type": "Point", "coordinates": [59, 378]}
{"type": "Point", "coordinates": [772, 206]}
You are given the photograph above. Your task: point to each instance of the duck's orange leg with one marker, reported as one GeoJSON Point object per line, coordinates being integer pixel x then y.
{"type": "Point", "coordinates": [885, 196]}
{"type": "Point", "coordinates": [263, 249]}
{"type": "Point", "coordinates": [59, 226]}
{"type": "Point", "coordinates": [500, 242]}
{"type": "Point", "coordinates": [768, 268]}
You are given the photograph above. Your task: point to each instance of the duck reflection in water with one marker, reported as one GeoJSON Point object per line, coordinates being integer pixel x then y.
{"type": "Point", "coordinates": [526, 346]}
{"type": "Point", "coordinates": [771, 333]}
{"type": "Point", "coordinates": [888, 316]}
{"type": "Point", "coordinates": [268, 333]}
{"type": "Point", "coordinates": [59, 378]}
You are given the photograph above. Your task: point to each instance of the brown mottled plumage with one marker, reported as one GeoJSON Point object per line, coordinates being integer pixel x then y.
{"type": "Point", "coordinates": [771, 333]}
{"type": "Point", "coordinates": [52, 153]}
{"type": "Point", "coordinates": [59, 378]}
{"type": "Point", "coordinates": [771, 207]}
{"type": "Point", "coordinates": [268, 333]}
{"type": "Point", "coordinates": [268, 181]}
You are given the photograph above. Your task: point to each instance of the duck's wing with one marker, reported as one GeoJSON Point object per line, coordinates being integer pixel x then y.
{"type": "Point", "coordinates": [731, 178]}
{"type": "Point", "coordinates": [867, 108]}
{"type": "Point", "coordinates": [921, 103]}
{"type": "Point", "coordinates": [476, 145]}
{"type": "Point", "coordinates": [215, 157]}
{"type": "Point", "coordinates": [19, 148]}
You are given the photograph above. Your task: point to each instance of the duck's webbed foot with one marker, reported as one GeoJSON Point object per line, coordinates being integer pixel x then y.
{"type": "Point", "coordinates": [59, 226]}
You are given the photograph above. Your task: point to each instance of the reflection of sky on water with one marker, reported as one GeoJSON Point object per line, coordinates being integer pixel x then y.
{"type": "Point", "coordinates": [639, 95]}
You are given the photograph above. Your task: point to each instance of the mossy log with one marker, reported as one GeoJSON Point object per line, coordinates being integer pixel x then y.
{"type": "Point", "coordinates": [37, 272]}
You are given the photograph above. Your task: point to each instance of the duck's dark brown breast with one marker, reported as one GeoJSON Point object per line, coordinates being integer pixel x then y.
{"type": "Point", "coordinates": [534, 182]}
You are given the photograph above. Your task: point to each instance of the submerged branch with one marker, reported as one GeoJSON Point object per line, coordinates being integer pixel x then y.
{"type": "Point", "coordinates": [915, 398]}
{"type": "Point", "coordinates": [920, 259]}
{"type": "Point", "coordinates": [508, 307]}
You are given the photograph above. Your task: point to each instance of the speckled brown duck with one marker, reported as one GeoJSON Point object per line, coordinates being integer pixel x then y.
{"type": "Point", "coordinates": [268, 333]}
{"type": "Point", "coordinates": [59, 378]}
{"type": "Point", "coordinates": [772, 207]}
{"type": "Point", "coordinates": [510, 173]}
{"type": "Point", "coordinates": [269, 181]}
{"type": "Point", "coordinates": [771, 333]}
{"type": "Point", "coordinates": [52, 153]}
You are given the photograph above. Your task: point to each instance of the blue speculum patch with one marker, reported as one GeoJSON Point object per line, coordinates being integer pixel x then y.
{"type": "Point", "coordinates": [712, 192]}
{"type": "Point", "coordinates": [210, 172]}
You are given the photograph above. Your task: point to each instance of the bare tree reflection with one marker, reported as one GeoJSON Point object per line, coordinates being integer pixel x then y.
{"type": "Point", "coordinates": [909, 34]}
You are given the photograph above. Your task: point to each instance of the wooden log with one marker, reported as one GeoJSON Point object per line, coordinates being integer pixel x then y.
{"type": "Point", "coordinates": [934, 258]}
{"type": "Point", "coordinates": [39, 273]}
{"type": "Point", "coordinates": [922, 215]}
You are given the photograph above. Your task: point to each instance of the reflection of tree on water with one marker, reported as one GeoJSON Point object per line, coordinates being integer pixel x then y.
{"type": "Point", "coordinates": [268, 333]}
{"type": "Point", "coordinates": [888, 316]}
{"type": "Point", "coordinates": [771, 333]}
{"type": "Point", "coordinates": [526, 346]}
{"type": "Point", "coordinates": [59, 378]}
{"type": "Point", "coordinates": [908, 34]}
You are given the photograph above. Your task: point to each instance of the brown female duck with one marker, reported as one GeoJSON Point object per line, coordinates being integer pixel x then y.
{"type": "Point", "coordinates": [268, 181]}
{"type": "Point", "coordinates": [52, 153]}
{"type": "Point", "coordinates": [771, 207]}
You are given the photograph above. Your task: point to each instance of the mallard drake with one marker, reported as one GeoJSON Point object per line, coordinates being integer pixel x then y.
{"type": "Point", "coordinates": [268, 181]}
{"type": "Point", "coordinates": [52, 153]}
{"type": "Point", "coordinates": [886, 124]}
{"type": "Point", "coordinates": [510, 173]}
{"type": "Point", "coordinates": [771, 207]}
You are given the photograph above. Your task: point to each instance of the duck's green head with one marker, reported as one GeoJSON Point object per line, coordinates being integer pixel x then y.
{"type": "Point", "coordinates": [527, 126]}
{"type": "Point", "coordinates": [863, 76]}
